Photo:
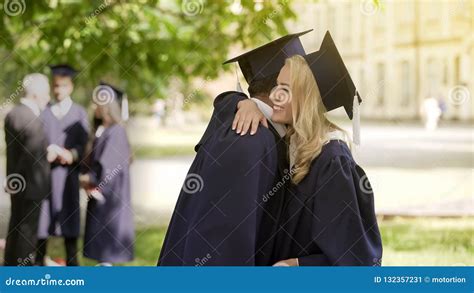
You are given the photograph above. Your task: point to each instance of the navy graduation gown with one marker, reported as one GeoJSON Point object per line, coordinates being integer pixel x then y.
{"type": "Point", "coordinates": [109, 233]}
{"type": "Point", "coordinates": [329, 217]}
{"type": "Point", "coordinates": [218, 215]}
{"type": "Point", "coordinates": [60, 213]}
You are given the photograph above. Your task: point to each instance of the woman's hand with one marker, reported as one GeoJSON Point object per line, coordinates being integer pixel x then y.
{"type": "Point", "coordinates": [66, 157]}
{"type": "Point", "coordinates": [292, 262]}
{"type": "Point", "coordinates": [248, 115]}
{"type": "Point", "coordinates": [84, 181]}
{"type": "Point", "coordinates": [53, 152]}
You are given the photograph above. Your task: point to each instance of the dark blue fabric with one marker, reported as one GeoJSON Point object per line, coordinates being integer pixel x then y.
{"type": "Point", "coordinates": [220, 223]}
{"type": "Point", "coordinates": [329, 217]}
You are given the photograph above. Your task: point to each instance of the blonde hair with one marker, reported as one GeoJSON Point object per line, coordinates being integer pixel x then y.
{"type": "Point", "coordinates": [310, 125]}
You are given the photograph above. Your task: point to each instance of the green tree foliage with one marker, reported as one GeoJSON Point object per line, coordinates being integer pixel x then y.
{"type": "Point", "coordinates": [140, 45]}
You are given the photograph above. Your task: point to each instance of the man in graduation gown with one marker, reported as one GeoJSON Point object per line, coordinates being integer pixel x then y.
{"type": "Point", "coordinates": [228, 207]}
{"type": "Point", "coordinates": [67, 129]}
{"type": "Point", "coordinates": [28, 171]}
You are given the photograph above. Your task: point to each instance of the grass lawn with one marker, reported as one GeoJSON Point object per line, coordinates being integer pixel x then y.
{"type": "Point", "coordinates": [410, 242]}
{"type": "Point", "coordinates": [428, 242]}
{"type": "Point", "coordinates": [147, 247]}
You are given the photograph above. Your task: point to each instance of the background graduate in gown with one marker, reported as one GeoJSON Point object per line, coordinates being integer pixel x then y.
{"type": "Point", "coordinates": [28, 171]}
{"type": "Point", "coordinates": [67, 129]}
{"type": "Point", "coordinates": [220, 210]}
{"type": "Point", "coordinates": [109, 233]}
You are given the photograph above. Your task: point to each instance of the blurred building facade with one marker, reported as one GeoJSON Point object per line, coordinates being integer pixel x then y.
{"type": "Point", "coordinates": [400, 52]}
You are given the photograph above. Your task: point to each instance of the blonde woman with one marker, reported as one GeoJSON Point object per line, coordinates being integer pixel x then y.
{"type": "Point", "coordinates": [328, 217]}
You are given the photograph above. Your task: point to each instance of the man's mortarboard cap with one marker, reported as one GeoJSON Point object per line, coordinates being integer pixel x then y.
{"type": "Point", "coordinates": [63, 70]}
{"type": "Point", "coordinates": [267, 60]}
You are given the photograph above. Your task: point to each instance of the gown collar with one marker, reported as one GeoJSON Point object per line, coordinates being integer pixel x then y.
{"type": "Point", "coordinates": [31, 105]}
{"type": "Point", "coordinates": [335, 135]}
{"type": "Point", "coordinates": [332, 135]}
{"type": "Point", "coordinates": [60, 109]}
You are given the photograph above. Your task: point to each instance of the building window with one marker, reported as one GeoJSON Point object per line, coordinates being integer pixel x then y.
{"type": "Point", "coordinates": [361, 86]}
{"type": "Point", "coordinates": [457, 69]}
{"type": "Point", "coordinates": [380, 84]}
{"type": "Point", "coordinates": [445, 72]}
{"type": "Point", "coordinates": [406, 88]}
{"type": "Point", "coordinates": [434, 76]}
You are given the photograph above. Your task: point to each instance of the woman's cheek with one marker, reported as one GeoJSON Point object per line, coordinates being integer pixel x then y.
{"type": "Point", "coordinates": [275, 117]}
{"type": "Point", "coordinates": [278, 117]}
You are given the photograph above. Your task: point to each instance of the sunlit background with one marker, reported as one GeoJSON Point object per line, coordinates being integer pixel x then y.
{"type": "Point", "coordinates": [412, 62]}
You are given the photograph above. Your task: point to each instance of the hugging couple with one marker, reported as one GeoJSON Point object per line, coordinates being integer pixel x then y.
{"type": "Point", "coordinates": [274, 182]}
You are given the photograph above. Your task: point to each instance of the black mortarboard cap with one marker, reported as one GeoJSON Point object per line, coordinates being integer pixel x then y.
{"type": "Point", "coordinates": [63, 70]}
{"type": "Point", "coordinates": [267, 60]}
{"type": "Point", "coordinates": [335, 84]}
{"type": "Point", "coordinates": [117, 92]}
{"type": "Point", "coordinates": [120, 98]}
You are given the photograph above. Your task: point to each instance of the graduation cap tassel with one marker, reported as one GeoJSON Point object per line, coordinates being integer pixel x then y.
{"type": "Point", "coordinates": [356, 120]}
{"type": "Point", "coordinates": [124, 107]}
{"type": "Point", "coordinates": [238, 87]}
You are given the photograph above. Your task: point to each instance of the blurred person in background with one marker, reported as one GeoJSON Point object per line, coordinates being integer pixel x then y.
{"type": "Point", "coordinates": [28, 171]}
{"type": "Point", "coordinates": [109, 232]}
{"type": "Point", "coordinates": [159, 108]}
{"type": "Point", "coordinates": [67, 129]}
{"type": "Point", "coordinates": [430, 112]}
